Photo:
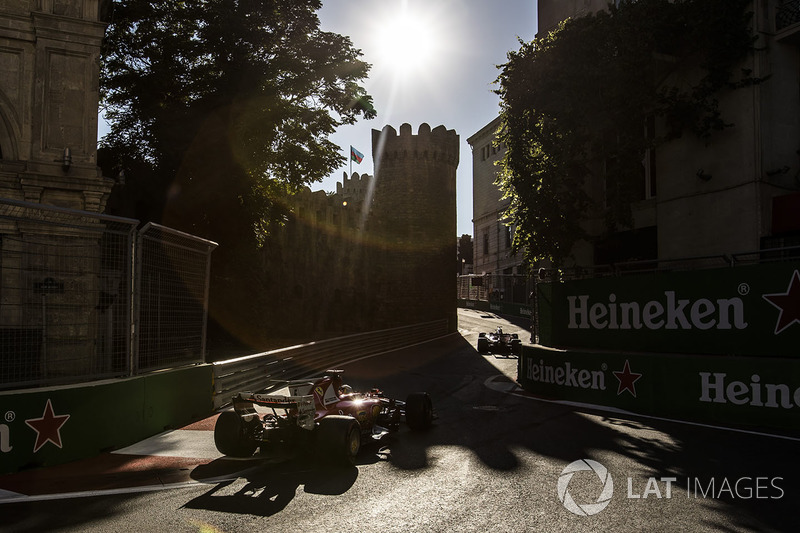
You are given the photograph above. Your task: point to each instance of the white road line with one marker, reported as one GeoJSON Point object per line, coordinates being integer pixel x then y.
{"type": "Point", "coordinates": [14, 497]}
{"type": "Point", "coordinates": [93, 493]}
{"type": "Point", "coordinates": [189, 444]}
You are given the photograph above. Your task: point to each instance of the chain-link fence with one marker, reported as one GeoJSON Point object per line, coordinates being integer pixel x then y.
{"type": "Point", "coordinates": [172, 288]}
{"type": "Point", "coordinates": [67, 297]}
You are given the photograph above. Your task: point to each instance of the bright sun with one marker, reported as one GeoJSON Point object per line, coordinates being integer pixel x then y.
{"type": "Point", "coordinates": [405, 43]}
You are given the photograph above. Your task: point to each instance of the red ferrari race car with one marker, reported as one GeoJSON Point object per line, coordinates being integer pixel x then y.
{"type": "Point", "coordinates": [320, 415]}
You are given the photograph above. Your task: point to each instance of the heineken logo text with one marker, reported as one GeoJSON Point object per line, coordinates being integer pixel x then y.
{"type": "Point", "coordinates": [566, 375]}
{"type": "Point", "coordinates": [715, 388]}
{"type": "Point", "coordinates": [5, 439]}
{"type": "Point", "coordinates": [670, 313]}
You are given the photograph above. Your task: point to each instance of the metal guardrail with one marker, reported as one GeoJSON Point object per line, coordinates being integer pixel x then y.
{"type": "Point", "coordinates": [254, 372]}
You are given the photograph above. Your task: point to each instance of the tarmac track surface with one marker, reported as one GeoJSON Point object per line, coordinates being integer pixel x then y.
{"type": "Point", "coordinates": [494, 460]}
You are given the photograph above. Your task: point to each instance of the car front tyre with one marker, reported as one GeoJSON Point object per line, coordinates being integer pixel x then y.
{"type": "Point", "coordinates": [419, 410]}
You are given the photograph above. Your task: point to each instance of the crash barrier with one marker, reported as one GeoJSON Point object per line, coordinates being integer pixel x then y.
{"type": "Point", "coordinates": [254, 372]}
{"type": "Point", "coordinates": [54, 425]}
{"type": "Point", "coordinates": [753, 393]}
{"type": "Point", "coordinates": [88, 296]}
{"type": "Point", "coordinates": [715, 346]}
{"type": "Point", "coordinates": [749, 310]}
{"type": "Point", "coordinates": [517, 295]}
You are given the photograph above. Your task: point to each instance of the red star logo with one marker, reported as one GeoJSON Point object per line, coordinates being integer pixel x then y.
{"type": "Point", "coordinates": [47, 428]}
{"type": "Point", "coordinates": [627, 379]}
{"type": "Point", "coordinates": [788, 303]}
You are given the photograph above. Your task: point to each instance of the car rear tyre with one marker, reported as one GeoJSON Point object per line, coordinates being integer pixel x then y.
{"type": "Point", "coordinates": [419, 411]}
{"type": "Point", "coordinates": [338, 439]}
{"type": "Point", "coordinates": [230, 436]}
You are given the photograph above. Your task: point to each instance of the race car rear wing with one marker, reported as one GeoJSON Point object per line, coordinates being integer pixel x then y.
{"type": "Point", "coordinates": [302, 387]}
{"type": "Point", "coordinates": [244, 402]}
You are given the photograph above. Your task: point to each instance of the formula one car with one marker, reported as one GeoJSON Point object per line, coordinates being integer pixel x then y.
{"type": "Point", "coordinates": [499, 342]}
{"type": "Point", "coordinates": [322, 416]}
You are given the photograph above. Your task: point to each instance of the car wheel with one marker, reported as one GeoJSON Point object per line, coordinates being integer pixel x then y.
{"type": "Point", "coordinates": [483, 346]}
{"type": "Point", "coordinates": [419, 411]}
{"type": "Point", "coordinates": [230, 436]}
{"type": "Point", "coordinates": [338, 439]}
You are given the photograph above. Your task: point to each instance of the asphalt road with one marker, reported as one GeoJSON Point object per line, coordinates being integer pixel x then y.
{"type": "Point", "coordinates": [492, 462]}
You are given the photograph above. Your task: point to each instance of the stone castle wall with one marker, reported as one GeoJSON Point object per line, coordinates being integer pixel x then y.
{"type": "Point", "coordinates": [414, 222]}
{"type": "Point", "coordinates": [378, 253]}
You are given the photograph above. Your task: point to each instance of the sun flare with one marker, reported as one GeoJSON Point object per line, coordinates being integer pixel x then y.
{"type": "Point", "coordinates": [405, 43]}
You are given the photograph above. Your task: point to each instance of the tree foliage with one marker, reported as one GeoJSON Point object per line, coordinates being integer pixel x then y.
{"type": "Point", "coordinates": [218, 109]}
{"type": "Point", "coordinates": [575, 103]}
{"type": "Point", "coordinates": [229, 102]}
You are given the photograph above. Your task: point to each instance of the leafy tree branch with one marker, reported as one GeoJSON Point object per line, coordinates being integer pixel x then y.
{"type": "Point", "coordinates": [575, 102]}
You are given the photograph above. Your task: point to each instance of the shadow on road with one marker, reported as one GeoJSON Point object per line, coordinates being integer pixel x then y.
{"type": "Point", "coordinates": [707, 462]}
{"type": "Point", "coordinates": [272, 484]}
{"type": "Point", "coordinates": [504, 431]}
{"type": "Point", "coordinates": [269, 488]}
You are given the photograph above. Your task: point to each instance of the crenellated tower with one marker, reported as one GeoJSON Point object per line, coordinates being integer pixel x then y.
{"type": "Point", "coordinates": [413, 223]}
{"type": "Point", "coordinates": [381, 252]}
{"type": "Point", "coordinates": [354, 189]}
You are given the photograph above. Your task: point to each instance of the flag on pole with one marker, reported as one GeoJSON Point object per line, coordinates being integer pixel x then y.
{"type": "Point", "coordinates": [355, 155]}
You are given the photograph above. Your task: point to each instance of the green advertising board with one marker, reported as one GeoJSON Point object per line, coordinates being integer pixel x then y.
{"type": "Point", "coordinates": [747, 310]}
{"type": "Point", "coordinates": [54, 425]}
{"type": "Point", "coordinates": [752, 392]}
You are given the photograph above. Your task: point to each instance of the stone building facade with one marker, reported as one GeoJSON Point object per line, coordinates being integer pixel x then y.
{"type": "Point", "coordinates": [492, 248]}
{"type": "Point", "coordinates": [49, 92]}
{"type": "Point", "coordinates": [738, 192]}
